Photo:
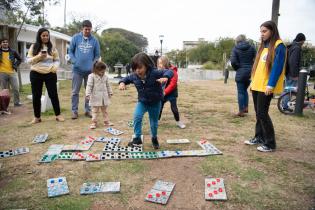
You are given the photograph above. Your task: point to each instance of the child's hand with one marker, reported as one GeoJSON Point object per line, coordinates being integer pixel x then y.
{"type": "Point", "coordinates": [122, 86]}
{"type": "Point", "coordinates": [162, 80]}
{"type": "Point", "coordinates": [87, 97]}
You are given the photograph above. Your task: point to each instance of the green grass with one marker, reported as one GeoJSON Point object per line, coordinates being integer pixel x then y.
{"type": "Point", "coordinates": [280, 180]}
{"type": "Point", "coordinates": [50, 112]}
{"type": "Point", "coordinates": [70, 202]}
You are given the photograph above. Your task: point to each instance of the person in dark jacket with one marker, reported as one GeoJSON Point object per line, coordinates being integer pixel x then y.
{"type": "Point", "coordinates": [293, 64]}
{"type": "Point", "coordinates": [242, 59]}
{"type": "Point", "coordinates": [128, 67]}
{"type": "Point", "coordinates": [9, 61]}
{"type": "Point", "coordinates": [147, 81]}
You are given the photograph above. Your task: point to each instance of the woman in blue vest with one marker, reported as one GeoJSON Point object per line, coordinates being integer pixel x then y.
{"type": "Point", "coordinates": [267, 79]}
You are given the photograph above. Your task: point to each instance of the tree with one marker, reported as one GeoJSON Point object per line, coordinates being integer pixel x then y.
{"type": "Point", "coordinates": [71, 28]}
{"type": "Point", "coordinates": [308, 55]}
{"type": "Point", "coordinates": [28, 11]}
{"type": "Point", "coordinates": [202, 53]}
{"type": "Point", "coordinates": [76, 24]}
{"type": "Point", "coordinates": [177, 57]}
{"type": "Point", "coordinates": [115, 48]}
{"type": "Point", "coordinates": [225, 45]}
{"type": "Point", "coordinates": [137, 39]}
{"type": "Point", "coordinates": [211, 52]}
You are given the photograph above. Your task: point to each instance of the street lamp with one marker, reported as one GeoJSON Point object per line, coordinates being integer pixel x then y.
{"type": "Point", "coordinates": [161, 40]}
{"type": "Point", "coordinates": [186, 59]}
{"type": "Point", "coordinates": [177, 60]}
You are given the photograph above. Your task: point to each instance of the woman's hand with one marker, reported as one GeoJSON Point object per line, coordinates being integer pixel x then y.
{"type": "Point", "coordinates": [268, 91]}
{"type": "Point", "coordinates": [42, 55]}
{"type": "Point", "coordinates": [122, 86]}
{"type": "Point", "coordinates": [162, 80]}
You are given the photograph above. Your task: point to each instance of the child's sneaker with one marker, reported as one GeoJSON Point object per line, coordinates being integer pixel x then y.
{"type": "Point", "coordinates": [108, 123]}
{"type": "Point", "coordinates": [155, 143]}
{"type": "Point", "coordinates": [93, 125]}
{"type": "Point", "coordinates": [180, 124]}
{"type": "Point", "coordinates": [136, 142]}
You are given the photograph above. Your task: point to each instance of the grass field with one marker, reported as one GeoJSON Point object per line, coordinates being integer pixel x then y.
{"type": "Point", "coordinates": [284, 179]}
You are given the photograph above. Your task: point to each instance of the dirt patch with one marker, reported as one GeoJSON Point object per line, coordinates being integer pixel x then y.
{"type": "Point", "coordinates": [17, 114]}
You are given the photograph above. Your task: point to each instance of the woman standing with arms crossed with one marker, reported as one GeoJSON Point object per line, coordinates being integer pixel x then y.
{"type": "Point", "coordinates": [44, 60]}
{"type": "Point", "coordinates": [267, 79]}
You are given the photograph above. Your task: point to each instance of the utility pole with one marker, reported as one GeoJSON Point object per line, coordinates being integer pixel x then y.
{"type": "Point", "coordinates": [275, 11]}
{"type": "Point", "coordinates": [64, 15]}
{"type": "Point", "coordinates": [43, 13]}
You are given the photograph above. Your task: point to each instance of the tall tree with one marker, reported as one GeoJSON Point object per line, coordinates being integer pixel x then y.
{"type": "Point", "coordinates": [115, 48]}
{"type": "Point", "coordinates": [137, 39]}
{"type": "Point", "coordinates": [28, 11]}
{"type": "Point", "coordinates": [76, 23]}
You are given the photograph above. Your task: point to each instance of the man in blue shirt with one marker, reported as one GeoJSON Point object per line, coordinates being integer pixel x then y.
{"type": "Point", "coordinates": [84, 51]}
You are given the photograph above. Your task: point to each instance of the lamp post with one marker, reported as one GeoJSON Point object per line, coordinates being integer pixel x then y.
{"type": "Point", "coordinates": [161, 41]}
{"type": "Point", "coordinates": [177, 60]}
{"type": "Point", "coordinates": [186, 59]}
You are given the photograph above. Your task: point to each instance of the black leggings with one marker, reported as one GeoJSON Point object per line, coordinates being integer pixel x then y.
{"type": "Point", "coordinates": [173, 108]}
{"type": "Point", "coordinates": [37, 81]}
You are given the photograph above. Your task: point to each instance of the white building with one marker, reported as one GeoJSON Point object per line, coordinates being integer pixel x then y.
{"type": "Point", "coordinates": [187, 45]}
{"type": "Point", "coordinates": [27, 36]}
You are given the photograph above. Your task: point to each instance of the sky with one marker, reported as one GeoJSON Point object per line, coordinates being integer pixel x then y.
{"type": "Point", "coordinates": [188, 20]}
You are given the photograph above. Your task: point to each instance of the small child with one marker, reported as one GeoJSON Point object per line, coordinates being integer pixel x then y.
{"type": "Point", "coordinates": [98, 91]}
{"type": "Point", "coordinates": [148, 82]}
{"type": "Point", "coordinates": [170, 91]}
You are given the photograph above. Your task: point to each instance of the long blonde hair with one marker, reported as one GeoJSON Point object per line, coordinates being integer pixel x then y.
{"type": "Point", "coordinates": [271, 48]}
{"type": "Point", "coordinates": [165, 61]}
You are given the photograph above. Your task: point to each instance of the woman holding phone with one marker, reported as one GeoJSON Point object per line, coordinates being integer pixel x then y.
{"type": "Point", "coordinates": [44, 60]}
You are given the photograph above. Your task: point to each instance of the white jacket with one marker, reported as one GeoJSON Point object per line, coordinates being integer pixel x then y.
{"type": "Point", "coordinates": [99, 90]}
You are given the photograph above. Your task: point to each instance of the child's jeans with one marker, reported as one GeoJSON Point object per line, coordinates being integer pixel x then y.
{"type": "Point", "coordinates": [95, 113]}
{"type": "Point", "coordinates": [141, 109]}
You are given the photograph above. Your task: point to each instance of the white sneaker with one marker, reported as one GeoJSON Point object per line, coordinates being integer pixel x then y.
{"type": "Point", "coordinates": [180, 124]}
{"type": "Point", "coordinates": [264, 148]}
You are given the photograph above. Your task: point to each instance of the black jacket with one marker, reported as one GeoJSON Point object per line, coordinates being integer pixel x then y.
{"type": "Point", "coordinates": [149, 90]}
{"type": "Point", "coordinates": [293, 59]}
{"type": "Point", "coordinates": [242, 59]}
{"type": "Point", "coordinates": [14, 57]}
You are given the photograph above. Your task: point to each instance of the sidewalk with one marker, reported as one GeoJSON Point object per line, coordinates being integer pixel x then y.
{"type": "Point", "coordinates": [183, 75]}
{"type": "Point", "coordinates": [25, 75]}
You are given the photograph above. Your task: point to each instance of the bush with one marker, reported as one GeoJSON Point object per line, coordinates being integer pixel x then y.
{"type": "Point", "coordinates": [212, 66]}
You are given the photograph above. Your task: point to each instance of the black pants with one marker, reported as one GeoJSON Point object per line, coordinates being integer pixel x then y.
{"type": "Point", "coordinates": [264, 127]}
{"type": "Point", "coordinates": [173, 108]}
{"type": "Point", "coordinates": [37, 81]}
